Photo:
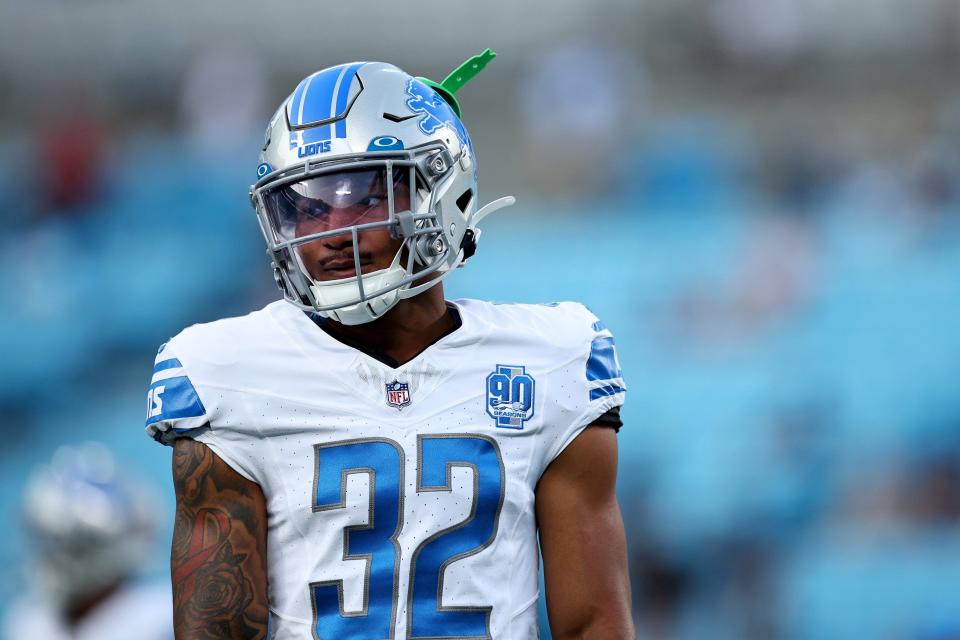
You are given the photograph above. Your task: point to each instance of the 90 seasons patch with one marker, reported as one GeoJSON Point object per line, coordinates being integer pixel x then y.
{"type": "Point", "coordinates": [510, 396]}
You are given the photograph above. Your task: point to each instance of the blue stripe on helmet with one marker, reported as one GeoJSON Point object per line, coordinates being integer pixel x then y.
{"type": "Point", "coordinates": [317, 134]}
{"type": "Point", "coordinates": [323, 95]}
{"type": "Point", "coordinates": [343, 95]}
{"type": "Point", "coordinates": [298, 99]}
{"type": "Point", "coordinates": [316, 95]}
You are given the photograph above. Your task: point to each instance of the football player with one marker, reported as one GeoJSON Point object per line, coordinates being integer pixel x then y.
{"type": "Point", "coordinates": [364, 459]}
{"type": "Point", "coordinates": [91, 530]}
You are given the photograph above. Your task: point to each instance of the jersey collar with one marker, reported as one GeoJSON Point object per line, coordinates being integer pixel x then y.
{"type": "Point", "coordinates": [379, 356]}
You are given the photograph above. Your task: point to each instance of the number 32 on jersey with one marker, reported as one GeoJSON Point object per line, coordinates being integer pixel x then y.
{"type": "Point", "coordinates": [383, 461]}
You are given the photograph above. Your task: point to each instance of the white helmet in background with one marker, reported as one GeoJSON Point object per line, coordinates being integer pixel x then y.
{"type": "Point", "coordinates": [90, 527]}
{"type": "Point", "coordinates": [348, 138]}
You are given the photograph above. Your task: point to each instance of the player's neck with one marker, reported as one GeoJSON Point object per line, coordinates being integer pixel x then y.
{"type": "Point", "coordinates": [406, 330]}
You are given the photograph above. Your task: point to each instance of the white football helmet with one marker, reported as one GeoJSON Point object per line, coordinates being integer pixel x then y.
{"type": "Point", "coordinates": [89, 526]}
{"type": "Point", "coordinates": [365, 146]}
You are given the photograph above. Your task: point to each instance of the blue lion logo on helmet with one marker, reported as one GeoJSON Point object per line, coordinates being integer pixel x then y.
{"type": "Point", "coordinates": [436, 112]}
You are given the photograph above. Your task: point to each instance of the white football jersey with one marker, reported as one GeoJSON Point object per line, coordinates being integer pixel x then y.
{"type": "Point", "coordinates": [143, 611]}
{"type": "Point", "coordinates": [400, 499]}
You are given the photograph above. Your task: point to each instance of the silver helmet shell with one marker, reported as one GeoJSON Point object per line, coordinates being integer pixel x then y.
{"type": "Point", "coordinates": [371, 115]}
{"type": "Point", "coordinates": [90, 526]}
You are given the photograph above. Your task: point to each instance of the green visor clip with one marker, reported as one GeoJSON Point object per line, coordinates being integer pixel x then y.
{"type": "Point", "coordinates": [459, 77]}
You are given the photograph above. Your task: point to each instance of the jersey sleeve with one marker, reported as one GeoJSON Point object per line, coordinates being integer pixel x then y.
{"type": "Point", "coordinates": [193, 396]}
{"type": "Point", "coordinates": [174, 408]}
{"type": "Point", "coordinates": [588, 388]}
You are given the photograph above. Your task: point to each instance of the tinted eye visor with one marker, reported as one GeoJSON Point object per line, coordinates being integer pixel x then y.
{"type": "Point", "coordinates": [337, 200]}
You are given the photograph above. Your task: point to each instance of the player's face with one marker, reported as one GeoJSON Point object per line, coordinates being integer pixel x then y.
{"type": "Point", "coordinates": [333, 258]}
{"type": "Point", "coordinates": [339, 201]}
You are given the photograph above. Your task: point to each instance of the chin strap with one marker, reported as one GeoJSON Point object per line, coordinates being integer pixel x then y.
{"type": "Point", "coordinates": [489, 208]}
{"type": "Point", "coordinates": [471, 236]}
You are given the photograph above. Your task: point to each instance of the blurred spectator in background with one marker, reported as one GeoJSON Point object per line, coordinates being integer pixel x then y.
{"type": "Point", "coordinates": [571, 142]}
{"type": "Point", "coordinates": [222, 104]}
{"type": "Point", "coordinates": [69, 168]}
{"type": "Point", "coordinates": [90, 530]}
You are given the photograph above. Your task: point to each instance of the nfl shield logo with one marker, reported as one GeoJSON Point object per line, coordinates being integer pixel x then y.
{"type": "Point", "coordinates": [398, 394]}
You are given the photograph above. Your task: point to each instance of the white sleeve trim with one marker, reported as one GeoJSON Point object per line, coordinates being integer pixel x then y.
{"type": "Point", "coordinates": [207, 438]}
{"type": "Point", "coordinates": [593, 411]}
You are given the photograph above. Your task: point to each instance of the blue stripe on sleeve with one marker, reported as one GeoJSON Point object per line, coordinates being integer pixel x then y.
{"type": "Point", "coordinates": [609, 390]}
{"type": "Point", "coordinates": [163, 365]}
{"type": "Point", "coordinates": [602, 364]}
{"type": "Point", "coordinates": [173, 398]}
{"type": "Point", "coordinates": [599, 326]}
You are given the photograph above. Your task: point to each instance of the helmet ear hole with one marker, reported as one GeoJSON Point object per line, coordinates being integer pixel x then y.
{"type": "Point", "coordinates": [464, 200]}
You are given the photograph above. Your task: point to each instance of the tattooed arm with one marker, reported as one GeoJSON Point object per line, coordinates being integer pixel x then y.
{"type": "Point", "coordinates": [218, 561]}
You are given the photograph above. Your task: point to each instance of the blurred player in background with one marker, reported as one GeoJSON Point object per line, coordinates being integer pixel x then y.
{"type": "Point", "coordinates": [91, 531]}
{"type": "Point", "coordinates": [382, 458]}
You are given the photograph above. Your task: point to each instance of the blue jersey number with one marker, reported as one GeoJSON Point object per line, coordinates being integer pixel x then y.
{"type": "Point", "coordinates": [436, 456]}
{"type": "Point", "coordinates": [377, 540]}
{"type": "Point", "coordinates": [383, 461]}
